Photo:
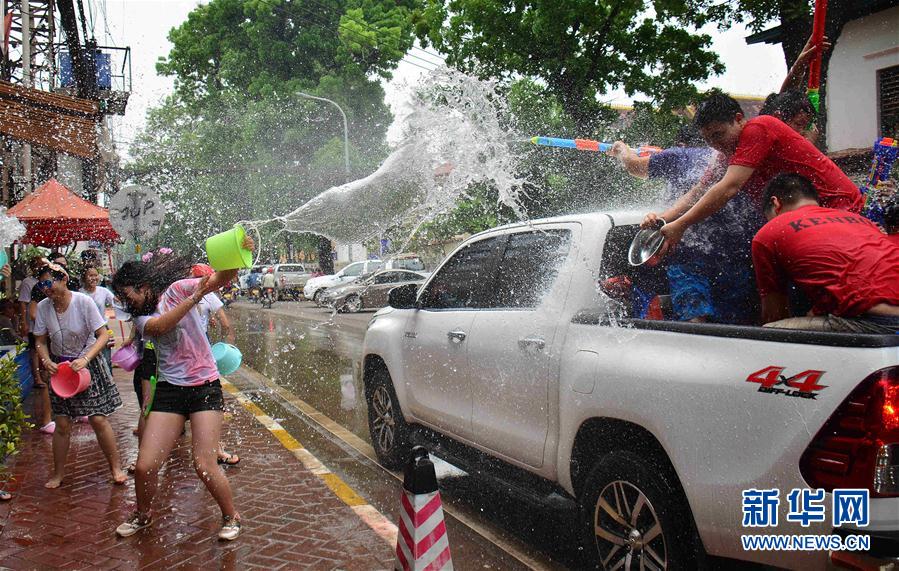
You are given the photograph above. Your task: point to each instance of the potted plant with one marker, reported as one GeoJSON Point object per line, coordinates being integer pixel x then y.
{"type": "Point", "coordinates": [12, 413]}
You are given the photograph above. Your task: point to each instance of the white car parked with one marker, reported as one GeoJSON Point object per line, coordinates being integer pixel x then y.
{"type": "Point", "coordinates": [317, 285]}
{"type": "Point", "coordinates": [508, 362]}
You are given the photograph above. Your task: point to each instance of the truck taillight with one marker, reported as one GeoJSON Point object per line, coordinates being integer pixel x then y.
{"type": "Point", "coordinates": [858, 447]}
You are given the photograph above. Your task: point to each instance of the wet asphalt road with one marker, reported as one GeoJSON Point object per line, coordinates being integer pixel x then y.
{"type": "Point", "coordinates": [308, 353]}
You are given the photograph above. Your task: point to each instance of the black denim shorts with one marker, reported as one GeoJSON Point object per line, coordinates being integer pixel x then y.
{"type": "Point", "coordinates": [187, 400]}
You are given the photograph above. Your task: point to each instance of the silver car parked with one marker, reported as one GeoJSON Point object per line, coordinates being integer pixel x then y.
{"type": "Point", "coordinates": [370, 292]}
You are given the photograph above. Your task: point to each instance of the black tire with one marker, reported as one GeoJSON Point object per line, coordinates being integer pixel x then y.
{"type": "Point", "coordinates": [391, 437]}
{"type": "Point", "coordinates": [349, 304]}
{"type": "Point", "coordinates": [315, 296]}
{"type": "Point", "coordinates": [660, 535]}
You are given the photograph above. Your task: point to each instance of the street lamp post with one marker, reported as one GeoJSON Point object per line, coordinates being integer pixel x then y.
{"type": "Point", "coordinates": [346, 131]}
{"type": "Point", "coordinates": [324, 244]}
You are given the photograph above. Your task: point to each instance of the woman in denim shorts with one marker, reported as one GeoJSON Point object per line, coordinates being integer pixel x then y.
{"type": "Point", "coordinates": [163, 306]}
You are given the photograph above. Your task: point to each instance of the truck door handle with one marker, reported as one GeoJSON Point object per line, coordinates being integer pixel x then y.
{"type": "Point", "coordinates": [536, 342]}
{"type": "Point", "coordinates": [456, 336]}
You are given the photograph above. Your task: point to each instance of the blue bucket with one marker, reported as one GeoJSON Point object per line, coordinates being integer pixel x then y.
{"type": "Point", "coordinates": [227, 358]}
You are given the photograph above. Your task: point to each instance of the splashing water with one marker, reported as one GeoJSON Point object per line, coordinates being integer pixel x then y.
{"type": "Point", "coordinates": [10, 229]}
{"type": "Point", "coordinates": [456, 136]}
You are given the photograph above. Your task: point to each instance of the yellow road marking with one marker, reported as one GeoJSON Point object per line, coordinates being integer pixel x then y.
{"type": "Point", "coordinates": [461, 513]}
{"type": "Point", "coordinates": [366, 512]}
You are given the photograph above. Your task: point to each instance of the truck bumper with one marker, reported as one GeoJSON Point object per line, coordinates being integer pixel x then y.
{"type": "Point", "coordinates": [884, 552]}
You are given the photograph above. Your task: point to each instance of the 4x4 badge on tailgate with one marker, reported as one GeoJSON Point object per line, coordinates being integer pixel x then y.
{"type": "Point", "coordinates": [804, 385]}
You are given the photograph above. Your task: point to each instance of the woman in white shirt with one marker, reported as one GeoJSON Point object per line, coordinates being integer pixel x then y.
{"type": "Point", "coordinates": [68, 327]}
{"type": "Point", "coordinates": [101, 296]}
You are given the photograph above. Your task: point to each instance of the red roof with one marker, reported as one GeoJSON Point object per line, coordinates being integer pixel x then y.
{"type": "Point", "coordinates": [54, 215]}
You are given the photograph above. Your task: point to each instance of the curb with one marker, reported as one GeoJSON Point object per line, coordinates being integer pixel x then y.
{"type": "Point", "coordinates": [365, 511]}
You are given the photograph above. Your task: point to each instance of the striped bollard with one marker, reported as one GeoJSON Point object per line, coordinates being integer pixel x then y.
{"type": "Point", "coordinates": [422, 543]}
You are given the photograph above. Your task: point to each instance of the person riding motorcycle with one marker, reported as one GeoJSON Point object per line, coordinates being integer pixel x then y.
{"type": "Point", "coordinates": [268, 283]}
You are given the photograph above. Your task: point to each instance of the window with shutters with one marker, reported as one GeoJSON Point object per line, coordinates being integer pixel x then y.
{"type": "Point", "coordinates": [888, 87]}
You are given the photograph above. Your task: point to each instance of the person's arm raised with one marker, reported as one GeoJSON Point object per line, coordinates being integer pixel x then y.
{"type": "Point", "coordinates": [713, 201]}
{"type": "Point", "coordinates": [634, 164]}
{"type": "Point", "coordinates": [166, 322]}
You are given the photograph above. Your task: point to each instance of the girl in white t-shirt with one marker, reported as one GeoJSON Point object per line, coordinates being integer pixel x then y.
{"type": "Point", "coordinates": [102, 297]}
{"type": "Point", "coordinates": [68, 327]}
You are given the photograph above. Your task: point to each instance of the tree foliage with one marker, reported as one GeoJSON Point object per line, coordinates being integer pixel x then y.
{"type": "Point", "coordinates": [579, 50]}
{"type": "Point", "coordinates": [235, 142]}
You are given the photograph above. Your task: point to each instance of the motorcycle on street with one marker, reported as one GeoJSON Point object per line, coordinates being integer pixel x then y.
{"type": "Point", "coordinates": [268, 297]}
{"type": "Point", "coordinates": [229, 295]}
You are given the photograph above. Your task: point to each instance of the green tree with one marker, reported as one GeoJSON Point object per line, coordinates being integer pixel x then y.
{"type": "Point", "coordinates": [579, 50]}
{"type": "Point", "coordinates": [234, 142]}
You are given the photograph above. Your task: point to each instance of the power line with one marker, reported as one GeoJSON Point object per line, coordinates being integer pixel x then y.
{"type": "Point", "coordinates": [106, 22]}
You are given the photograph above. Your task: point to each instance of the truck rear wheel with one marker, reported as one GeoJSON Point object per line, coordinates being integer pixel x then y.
{"type": "Point", "coordinates": [634, 517]}
{"type": "Point", "coordinates": [391, 437]}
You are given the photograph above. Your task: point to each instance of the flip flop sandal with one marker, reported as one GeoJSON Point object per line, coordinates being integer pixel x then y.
{"type": "Point", "coordinates": [5, 496]}
{"type": "Point", "coordinates": [230, 460]}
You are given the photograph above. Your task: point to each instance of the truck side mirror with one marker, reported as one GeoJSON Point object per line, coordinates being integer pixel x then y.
{"type": "Point", "coordinates": [403, 297]}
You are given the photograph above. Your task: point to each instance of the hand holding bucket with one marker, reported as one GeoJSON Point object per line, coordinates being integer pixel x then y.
{"type": "Point", "coordinates": [230, 250]}
{"type": "Point", "coordinates": [67, 382]}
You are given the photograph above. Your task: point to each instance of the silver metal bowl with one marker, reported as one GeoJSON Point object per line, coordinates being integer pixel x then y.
{"type": "Point", "coordinates": [646, 247]}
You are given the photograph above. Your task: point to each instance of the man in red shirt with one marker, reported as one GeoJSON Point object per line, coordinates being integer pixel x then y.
{"type": "Point", "coordinates": [840, 260]}
{"type": "Point", "coordinates": [756, 150]}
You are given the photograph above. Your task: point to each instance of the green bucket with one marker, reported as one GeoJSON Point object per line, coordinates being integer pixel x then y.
{"type": "Point", "coordinates": [226, 252]}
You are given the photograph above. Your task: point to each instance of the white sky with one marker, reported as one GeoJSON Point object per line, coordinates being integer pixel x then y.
{"type": "Point", "coordinates": [144, 25]}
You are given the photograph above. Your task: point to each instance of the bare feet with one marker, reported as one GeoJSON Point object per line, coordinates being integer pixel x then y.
{"type": "Point", "coordinates": [119, 477]}
{"type": "Point", "coordinates": [53, 482]}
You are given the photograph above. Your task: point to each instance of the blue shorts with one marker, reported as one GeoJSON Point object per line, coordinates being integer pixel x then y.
{"type": "Point", "coordinates": [722, 294]}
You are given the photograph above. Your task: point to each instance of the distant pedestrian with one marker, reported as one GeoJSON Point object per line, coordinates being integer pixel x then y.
{"type": "Point", "coordinates": [27, 289]}
{"type": "Point", "coordinates": [59, 258]}
{"type": "Point", "coordinates": [101, 296]}
{"type": "Point", "coordinates": [69, 328]}
{"type": "Point", "coordinates": [164, 308]}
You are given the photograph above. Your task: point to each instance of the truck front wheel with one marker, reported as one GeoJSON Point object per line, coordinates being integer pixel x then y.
{"type": "Point", "coordinates": [391, 437]}
{"type": "Point", "coordinates": [634, 519]}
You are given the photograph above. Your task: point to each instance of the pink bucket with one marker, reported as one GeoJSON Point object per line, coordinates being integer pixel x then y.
{"type": "Point", "coordinates": [126, 358]}
{"type": "Point", "coordinates": [67, 383]}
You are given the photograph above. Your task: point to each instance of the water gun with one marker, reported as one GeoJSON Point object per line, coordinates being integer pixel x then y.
{"type": "Point", "coordinates": [886, 151]}
{"type": "Point", "coordinates": [587, 145]}
{"type": "Point", "coordinates": [814, 70]}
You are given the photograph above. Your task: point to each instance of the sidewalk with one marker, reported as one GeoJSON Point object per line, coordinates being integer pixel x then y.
{"type": "Point", "coordinates": [291, 518]}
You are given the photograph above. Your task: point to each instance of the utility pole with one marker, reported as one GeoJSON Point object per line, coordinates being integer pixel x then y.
{"type": "Point", "coordinates": [30, 61]}
{"type": "Point", "coordinates": [27, 81]}
{"type": "Point", "coordinates": [325, 263]}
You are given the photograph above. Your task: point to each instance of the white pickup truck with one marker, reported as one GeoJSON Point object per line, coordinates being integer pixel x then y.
{"type": "Point", "coordinates": [510, 361]}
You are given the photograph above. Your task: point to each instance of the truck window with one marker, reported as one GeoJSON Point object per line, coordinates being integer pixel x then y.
{"type": "Point", "coordinates": [462, 280]}
{"type": "Point", "coordinates": [647, 282]}
{"type": "Point", "coordinates": [529, 267]}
